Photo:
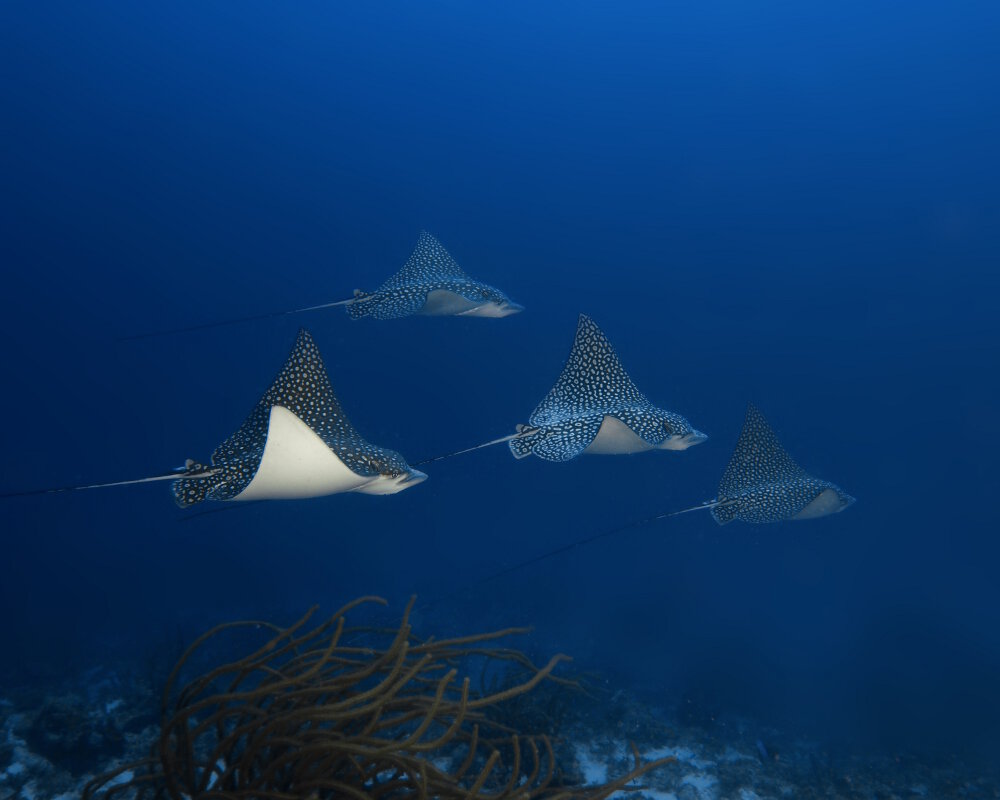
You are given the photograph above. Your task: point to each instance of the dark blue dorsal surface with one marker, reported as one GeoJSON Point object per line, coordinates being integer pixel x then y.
{"type": "Point", "coordinates": [762, 483]}
{"type": "Point", "coordinates": [592, 381]}
{"type": "Point", "coordinates": [429, 268]}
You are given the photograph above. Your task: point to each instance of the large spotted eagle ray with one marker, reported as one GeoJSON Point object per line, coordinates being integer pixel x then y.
{"type": "Point", "coordinates": [297, 442]}
{"type": "Point", "coordinates": [430, 283]}
{"type": "Point", "coordinates": [594, 407]}
{"type": "Point", "coordinates": [761, 483]}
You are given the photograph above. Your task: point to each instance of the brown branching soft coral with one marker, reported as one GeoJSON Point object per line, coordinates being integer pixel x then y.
{"type": "Point", "coordinates": [311, 715]}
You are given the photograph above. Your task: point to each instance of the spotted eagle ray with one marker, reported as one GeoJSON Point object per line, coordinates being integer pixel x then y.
{"type": "Point", "coordinates": [433, 284]}
{"type": "Point", "coordinates": [430, 283]}
{"type": "Point", "coordinates": [761, 483]}
{"type": "Point", "coordinates": [595, 408]}
{"type": "Point", "coordinates": [296, 443]}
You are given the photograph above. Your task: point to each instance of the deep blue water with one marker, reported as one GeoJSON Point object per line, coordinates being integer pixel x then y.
{"type": "Point", "coordinates": [794, 204]}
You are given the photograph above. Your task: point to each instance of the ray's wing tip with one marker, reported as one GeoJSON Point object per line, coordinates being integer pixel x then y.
{"type": "Point", "coordinates": [754, 412]}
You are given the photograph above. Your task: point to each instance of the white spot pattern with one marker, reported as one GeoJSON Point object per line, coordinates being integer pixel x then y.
{"type": "Point", "coordinates": [593, 384]}
{"type": "Point", "coordinates": [429, 268]}
{"type": "Point", "coordinates": [761, 482]}
{"type": "Point", "coordinates": [303, 388]}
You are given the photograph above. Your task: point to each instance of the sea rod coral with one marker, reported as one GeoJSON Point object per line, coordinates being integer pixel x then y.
{"type": "Point", "coordinates": [334, 712]}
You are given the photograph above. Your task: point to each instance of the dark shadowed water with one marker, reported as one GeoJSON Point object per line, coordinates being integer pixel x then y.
{"type": "Point", "coordinates": [794, 204]}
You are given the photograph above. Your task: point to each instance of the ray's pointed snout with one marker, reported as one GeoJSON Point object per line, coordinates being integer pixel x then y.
{"type": "Point", "coordinates": [393, 482]}
{"type": "Point", "coordinates": [682, 441]}
{"type": "Point", "coordinates": [696, 437]}
{"type": "Point", "coordinates": [510, 307]}
{"type": "Point", "coordinates": [411, 478]}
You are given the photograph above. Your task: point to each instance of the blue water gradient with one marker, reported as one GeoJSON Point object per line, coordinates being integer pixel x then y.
{"type": "Point", "coordinates": [791, 203]}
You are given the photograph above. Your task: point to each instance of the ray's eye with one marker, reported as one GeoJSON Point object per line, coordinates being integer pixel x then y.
{"type": "Point", "coordinates": [667, 426]}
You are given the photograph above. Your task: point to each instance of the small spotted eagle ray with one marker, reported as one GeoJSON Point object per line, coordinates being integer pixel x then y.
{"type": "Point", "coordinates": [431, 283]}
{"type": "Point", "coordinates": [594, 407]}
{"type": "Point", "coordinates": [761, 483]}
{"type": "Point", "coordinates": [296, 443]}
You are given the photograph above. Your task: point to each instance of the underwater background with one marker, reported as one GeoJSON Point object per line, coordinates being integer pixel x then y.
{"type": "Point", "coordinates": [794, 204]}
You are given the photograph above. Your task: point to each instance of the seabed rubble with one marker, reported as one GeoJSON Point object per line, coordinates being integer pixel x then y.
{"type": "Point", "coordinates": [50, 749]}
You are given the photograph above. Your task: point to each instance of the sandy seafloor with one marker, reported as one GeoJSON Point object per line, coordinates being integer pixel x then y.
{"type": "Point", "coordinates": [53, 741]}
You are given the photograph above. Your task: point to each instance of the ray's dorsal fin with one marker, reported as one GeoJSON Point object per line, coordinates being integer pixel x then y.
{"type": "Point", "coordinates": [592, 380]}
{"type": "Point", "coordinates": [429, 262]}
{"type": "Point", "coordinates": [758, 458]}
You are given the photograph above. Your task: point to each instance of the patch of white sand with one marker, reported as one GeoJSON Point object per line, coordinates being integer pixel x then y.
{"type": "Point", "coordinates": [703, 784]}
{"type": "Point", "coordinates": [594, 769]}
{"type": "Point", "coordinates": [683, 754]}
{"type": "Point", "coordinates": [732, 755]}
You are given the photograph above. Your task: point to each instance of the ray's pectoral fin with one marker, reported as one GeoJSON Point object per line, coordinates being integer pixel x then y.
{"type": "Point", "coordinates": [616, 437]}
{"type": "Point", "coordinates": [828, 501]}
{"type": "Point", "coordinates": [445, 303]}
{"type": "Point", "coordinates": [297, 463]}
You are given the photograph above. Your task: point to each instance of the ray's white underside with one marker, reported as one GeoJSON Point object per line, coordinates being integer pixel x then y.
{"type": "Point", "coordinates": [297, 463]}
{"type": "Point", "coordinates": [826, 502]}
{"type": "Point", "coordinates": [443, 303]}
{"type": "Point", "coordinates": [617, 438]}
